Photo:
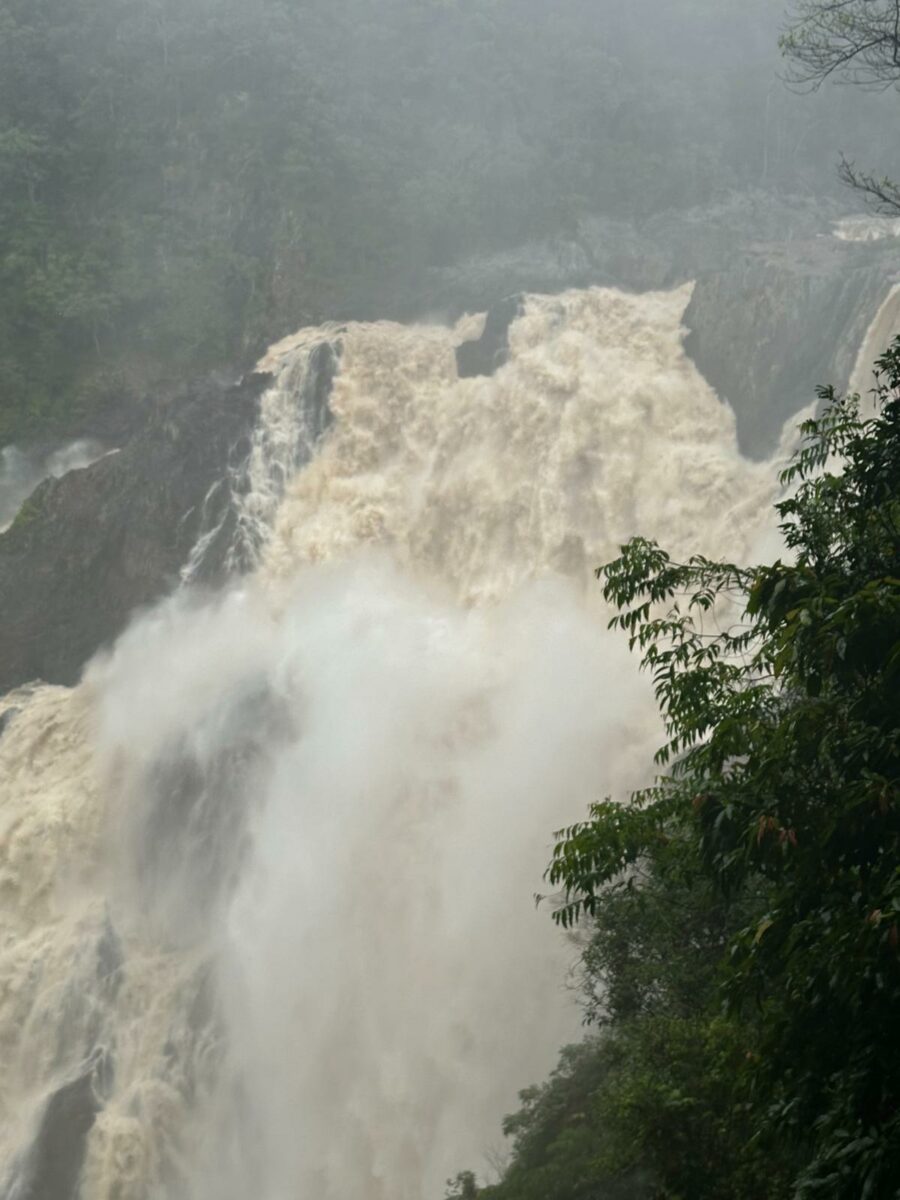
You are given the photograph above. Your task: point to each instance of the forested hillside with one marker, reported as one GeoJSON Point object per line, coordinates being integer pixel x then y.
{"type": "Point", "coordinates": [180, 183]}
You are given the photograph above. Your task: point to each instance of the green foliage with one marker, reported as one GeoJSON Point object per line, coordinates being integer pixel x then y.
{"type": "Point", "coordinates": [30, 510]}
{"type": "Point", "coordinates": [647, 1108]}
{"type": "Point", "coordinates": [462, 1187]}
{"type": "Point", "coordinates": [779, 686]}
{"type": "Point", "coordinates": [557, 1139]}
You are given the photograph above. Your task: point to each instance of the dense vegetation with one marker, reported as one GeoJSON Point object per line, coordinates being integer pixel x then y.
{"type": "Point", "coordinates": [181, 181]}
{"type": "Point", "coordinates": [744, 967]}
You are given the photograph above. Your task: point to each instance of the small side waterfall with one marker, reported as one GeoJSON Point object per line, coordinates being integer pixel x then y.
{"type": "Point", "coordinates": [239, 509]}
{"type": "Point", "coordinates": [881, 333]}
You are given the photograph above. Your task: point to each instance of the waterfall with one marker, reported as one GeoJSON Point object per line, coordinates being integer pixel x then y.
{"type": "Point", "coordinates": [884, 328]}
{"type": "Point", "coordinates": [267, 873]}
{"type": "Point", "coordinates": [866, 227]}
{"type": "Point", "coordinates": [294, 414]}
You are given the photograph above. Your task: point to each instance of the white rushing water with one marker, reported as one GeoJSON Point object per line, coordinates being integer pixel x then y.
{"type": "Point", "coordinates": [866, 227]}
{"type": "Point", "coordinates": [267, 874]}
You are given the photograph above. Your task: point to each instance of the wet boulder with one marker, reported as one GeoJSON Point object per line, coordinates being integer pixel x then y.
{"type": "Point", "coordinates": [491, 350]}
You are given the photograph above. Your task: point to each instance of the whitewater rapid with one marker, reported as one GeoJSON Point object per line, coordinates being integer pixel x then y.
{"type": "Point", "coordinates": [267, 875]}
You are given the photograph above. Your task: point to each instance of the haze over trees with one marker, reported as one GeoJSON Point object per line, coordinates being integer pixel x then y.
{"type": "Point", "coordinates": [180, 183]}
{"type": "Point", "coordinates": [851, 41]}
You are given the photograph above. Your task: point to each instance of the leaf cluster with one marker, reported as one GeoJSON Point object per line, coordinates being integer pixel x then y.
{"type": "Point", "coordinates": [778, 685]}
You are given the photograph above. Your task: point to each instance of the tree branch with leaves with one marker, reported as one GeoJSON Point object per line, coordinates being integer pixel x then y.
{"type": "Point", "coordinates": [783, 781]}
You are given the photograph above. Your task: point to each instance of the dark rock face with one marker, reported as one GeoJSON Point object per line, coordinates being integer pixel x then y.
{"type": "Point", "coordinates": [491, 350]}
{"type": "Point", "coordinates": [782, 319]}
{"type": "Point", "coordinates": [6, 719]}
{"type": "Point", "coordinates": [109, 960]}
{"type": "Point", "coordinates": [89, 548]}
{"type": "Point", "coordinates": [57, 1154]}
{"type": "Point", "coordinates": [323, 367]}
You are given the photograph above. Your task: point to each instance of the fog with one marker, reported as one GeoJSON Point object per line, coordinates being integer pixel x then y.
{"type": "Point", "coordinates": [228, 170]}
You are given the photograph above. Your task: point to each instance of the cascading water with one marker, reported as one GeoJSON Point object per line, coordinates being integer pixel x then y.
{"type": "Point", "coordinates": [294, 414]}
{"type": "Point", "coordinates": [881, 332]}
{"type": "Point", "coordinates": [267, 874]}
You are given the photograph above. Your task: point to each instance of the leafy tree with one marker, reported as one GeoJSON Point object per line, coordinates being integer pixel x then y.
{"type": "Point", "coordinates": [779, 689]}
